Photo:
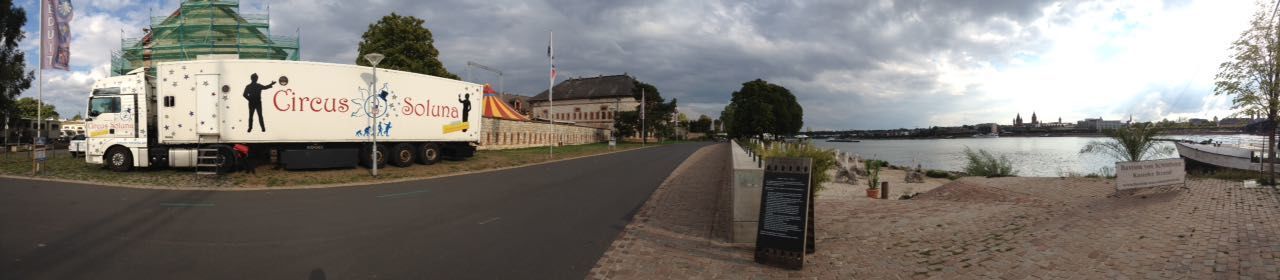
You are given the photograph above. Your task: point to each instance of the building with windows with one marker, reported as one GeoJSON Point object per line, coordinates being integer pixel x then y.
{"type": "Point", "coordinates": [1099, 124]}
{"type": "Point", "coordinates": [519, 103]}
{"type": "Point", "coordinates": [587, 102]}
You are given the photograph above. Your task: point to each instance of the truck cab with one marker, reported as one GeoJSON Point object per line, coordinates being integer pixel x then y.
{"type": "Point", "coordinates": [120, 117]}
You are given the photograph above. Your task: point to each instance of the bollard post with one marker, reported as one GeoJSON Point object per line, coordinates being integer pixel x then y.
{"type": "Point", "coordinates": [884, 190]}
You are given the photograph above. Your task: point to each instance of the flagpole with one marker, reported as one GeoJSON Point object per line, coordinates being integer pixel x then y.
{"type": "Point", "coordinates": [551, 112]}
{"type": "Point", "coordinates": [644, 134]}
{"type": "Point", "coordinates": [35, 163]}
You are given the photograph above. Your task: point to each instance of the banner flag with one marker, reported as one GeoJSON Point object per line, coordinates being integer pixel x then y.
{"type": "Point", "coordinates": [55, 37]}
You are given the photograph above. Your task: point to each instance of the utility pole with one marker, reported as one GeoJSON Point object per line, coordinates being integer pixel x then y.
{"type": "Point", "coordinates": [644, 133]}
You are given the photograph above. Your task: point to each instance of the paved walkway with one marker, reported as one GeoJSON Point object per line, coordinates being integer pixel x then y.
{"type": "Point", "coordinates": [1004, 228]}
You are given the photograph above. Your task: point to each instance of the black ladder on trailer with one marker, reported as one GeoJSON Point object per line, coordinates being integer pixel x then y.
{"type": "Point", "coordinates": [208, 159]}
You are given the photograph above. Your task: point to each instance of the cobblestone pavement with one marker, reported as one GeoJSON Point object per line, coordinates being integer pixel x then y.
{"type": "Point", "coordinates": [978, 228]}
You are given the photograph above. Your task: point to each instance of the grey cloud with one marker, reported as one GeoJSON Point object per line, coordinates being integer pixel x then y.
{"type": "Point", "coordinates": [852, 64]}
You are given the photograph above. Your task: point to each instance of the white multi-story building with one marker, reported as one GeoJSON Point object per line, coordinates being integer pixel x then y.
{"type": "Point", "coordinates": [1099, 124]}
{"type": "Point", "coordinates": [588, 101]}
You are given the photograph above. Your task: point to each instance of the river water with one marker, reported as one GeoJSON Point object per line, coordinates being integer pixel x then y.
{"type": "Point", "coordinates": [1031, 156]}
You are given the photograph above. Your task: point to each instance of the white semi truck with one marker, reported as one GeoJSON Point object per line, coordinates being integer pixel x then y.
{"type": "Point", "coordinates": [205, 113]}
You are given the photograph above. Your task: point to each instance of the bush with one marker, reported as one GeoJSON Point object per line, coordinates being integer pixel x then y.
{"type": "Point", "coordinates": [937, 174]}
{"type": "Point", "coordinates": [823, 160]}
{"type": "Point", "coordinates": [876, 162]}
{"type": "Point", "coordinates": [873, 174]}
{"type": "Point", "coordinates": [982, 163]}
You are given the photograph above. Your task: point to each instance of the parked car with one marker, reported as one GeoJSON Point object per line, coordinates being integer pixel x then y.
{"type": "Point", "coordinates": [77, 145]}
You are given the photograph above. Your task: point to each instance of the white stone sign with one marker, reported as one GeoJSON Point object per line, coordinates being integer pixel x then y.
{"type": "Point", "coordinates": [1151, 173]}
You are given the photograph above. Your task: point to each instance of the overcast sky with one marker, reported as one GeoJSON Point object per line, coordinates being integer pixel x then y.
{"type": "Point", "coordinates": [851, 64]}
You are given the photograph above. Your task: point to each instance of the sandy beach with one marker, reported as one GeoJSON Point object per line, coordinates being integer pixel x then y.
{"type": "Point", "coordinates": [989, 228]}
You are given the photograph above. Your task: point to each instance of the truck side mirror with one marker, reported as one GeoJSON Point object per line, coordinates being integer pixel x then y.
{"type": "Point", "coordinates": [94, 113]}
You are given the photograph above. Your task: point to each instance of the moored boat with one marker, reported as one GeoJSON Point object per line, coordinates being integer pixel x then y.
{"type": "Point", "coordinates": [1221, 156]}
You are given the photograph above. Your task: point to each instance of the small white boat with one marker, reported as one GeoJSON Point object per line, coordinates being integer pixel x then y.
{"type": "Point", "coordinates": [1222, 156]}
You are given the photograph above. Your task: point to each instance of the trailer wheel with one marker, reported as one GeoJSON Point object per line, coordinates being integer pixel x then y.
{"type": "Point", "coordinates": [381, 156]}
{"type": "Point", "coordinates": [429, 153]}
{"type": "Point", "coordinates": [402, 155]}
{"type": "Point", "coordinates": [118, 159]}
{"type": "Point", "coordinates": [226, 159]}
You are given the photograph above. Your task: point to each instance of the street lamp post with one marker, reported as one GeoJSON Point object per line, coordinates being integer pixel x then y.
{"type": "Point", "coordinates": [374, 58]}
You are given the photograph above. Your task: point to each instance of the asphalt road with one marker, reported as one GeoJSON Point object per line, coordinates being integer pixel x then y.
{"type": "Point", "coordinates": [550, 221]}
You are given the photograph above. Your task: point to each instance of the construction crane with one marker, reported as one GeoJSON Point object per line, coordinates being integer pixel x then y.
{"type": "Point", "coordinates": [471, 64]}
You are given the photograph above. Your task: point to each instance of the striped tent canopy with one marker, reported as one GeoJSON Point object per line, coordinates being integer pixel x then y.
{"type": "Point", "coordinates": [494, 107]}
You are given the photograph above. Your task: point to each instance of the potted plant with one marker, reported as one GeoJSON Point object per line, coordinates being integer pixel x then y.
{"type": "Point", "coordinates": [873, 178]}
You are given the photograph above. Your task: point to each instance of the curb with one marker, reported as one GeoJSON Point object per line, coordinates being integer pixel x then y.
{"type": "Point", "coordinates": [321, 186]}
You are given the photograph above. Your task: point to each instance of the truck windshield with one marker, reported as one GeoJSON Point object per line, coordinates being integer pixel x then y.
{"type": "Point", "coordinates": [101, 105]}
{"type": "Point", "coordinates": [106, 91]}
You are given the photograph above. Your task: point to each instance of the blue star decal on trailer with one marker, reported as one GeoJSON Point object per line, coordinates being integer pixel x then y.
{"type": "Point", "coordinates": [191, 113]}
{"type": "Point", "coordinates": [166, 127]}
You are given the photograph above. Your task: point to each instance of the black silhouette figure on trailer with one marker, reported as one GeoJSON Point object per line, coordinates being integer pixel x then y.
{"type": "Point", "coordinates": [465, 99]}
{"type": "Point", "coordinates": [253, 93]}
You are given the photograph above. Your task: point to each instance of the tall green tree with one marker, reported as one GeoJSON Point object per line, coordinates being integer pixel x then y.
{"type": "Point", "coordinates": [702, 124]}
{"type": "Point", "coordinates": [14, 78]}
{"type": "Point", "coordinates": [726, 120]}
{"type": "Point", "coordinates": [657, 116]}
{"type": "Point", "coordinates": [407, 44]}
{"type": "Point", "coordinates": [1251, 74]}
{"type": "Point", "coordinates": [26, 108]}
{"type": "Point", "coordinates": [626, 123]}
{"type": "Point", "coordinates": [761, 107]}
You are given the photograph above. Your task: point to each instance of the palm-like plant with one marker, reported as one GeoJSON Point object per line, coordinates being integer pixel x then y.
{"type": "Point", "coordinates": [1133, 143]}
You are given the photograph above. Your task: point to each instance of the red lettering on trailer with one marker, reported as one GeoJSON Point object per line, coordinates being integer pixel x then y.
{"type": "Point", "coordinates": [287, 101]}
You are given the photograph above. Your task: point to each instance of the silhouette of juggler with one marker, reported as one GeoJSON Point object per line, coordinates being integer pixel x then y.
{"type": "Point", "coordinates": [465, 99]}
{"type": "Point", "coordinates": [253, 93]}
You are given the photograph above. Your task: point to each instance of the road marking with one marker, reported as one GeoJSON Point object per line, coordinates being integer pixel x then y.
{"type": "Point", "coordinates": [180, 204]}
{"type": "Point", "coordinates": [490, 220]}
{"type": "Point", "coordinates": [403, 193]}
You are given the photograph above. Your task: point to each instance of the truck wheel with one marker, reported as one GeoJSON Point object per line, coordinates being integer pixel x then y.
{"type": "Point", "coordinates": [402, 155]}
{"type": "Point", "coordinates": [226, 161]}
{"type": "Point", "coordinates": [381, 157]}
{"type": "Point", "coordinates": [429, 153]}
{"type": "Point", "coordinates": [118, 159]}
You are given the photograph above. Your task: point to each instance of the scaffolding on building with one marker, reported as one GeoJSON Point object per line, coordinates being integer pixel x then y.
{"type": "Point", "coordinates": [204, 27]}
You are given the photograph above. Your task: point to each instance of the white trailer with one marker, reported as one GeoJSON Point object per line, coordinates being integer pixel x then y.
{"type": "Point", "coordinates": [313, 115]}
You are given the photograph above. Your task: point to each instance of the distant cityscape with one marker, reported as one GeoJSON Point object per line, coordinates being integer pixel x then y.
{"type": "Point", "coordinates": [1037, 127]}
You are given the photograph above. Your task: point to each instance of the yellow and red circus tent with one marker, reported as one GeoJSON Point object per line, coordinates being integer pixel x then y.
{"type": "Point", "coordinates": [494, 107]}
